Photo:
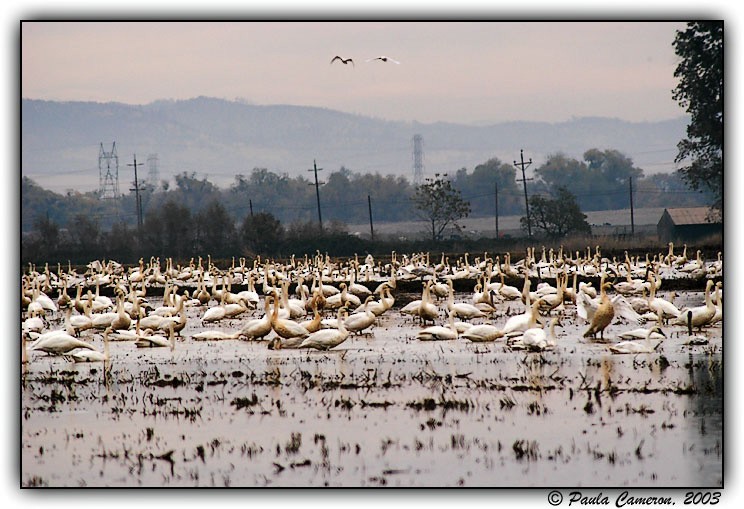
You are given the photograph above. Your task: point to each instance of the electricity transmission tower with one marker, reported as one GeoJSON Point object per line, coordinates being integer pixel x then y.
{"type": "Point", "coordinates": [108, 177]}
{"type": "Point", "coordinates": [418, 160]}
{"type": "Point", "coordinates": [108, 173]}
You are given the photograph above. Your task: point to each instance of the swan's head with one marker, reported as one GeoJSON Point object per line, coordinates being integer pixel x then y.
{"type": "Point", "coordinates": [658, 330]}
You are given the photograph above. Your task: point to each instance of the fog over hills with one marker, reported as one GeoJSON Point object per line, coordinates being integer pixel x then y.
{"type": "Point", "coordinates": [217, 139]}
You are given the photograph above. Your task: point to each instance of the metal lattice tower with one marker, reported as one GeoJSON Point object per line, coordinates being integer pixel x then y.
{"type": "Point", "coordinates": [153, 173]}
{"type": "Point", "coordinates": [108, 173]}
{"type": "Point", "coordinates": [418, 159]}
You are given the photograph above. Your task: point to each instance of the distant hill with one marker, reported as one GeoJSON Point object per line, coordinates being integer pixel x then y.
{"type": "Point", "coordinates": [218, 138]}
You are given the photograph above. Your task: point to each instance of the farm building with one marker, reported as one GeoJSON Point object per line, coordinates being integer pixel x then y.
{"type": "Point", "coordinates": [688, 224]}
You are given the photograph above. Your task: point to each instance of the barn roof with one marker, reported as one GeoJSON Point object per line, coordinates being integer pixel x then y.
{"type": "Point", "coordinates": [691, 215]}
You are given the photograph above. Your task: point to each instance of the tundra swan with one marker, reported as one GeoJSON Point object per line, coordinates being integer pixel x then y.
{"type": "Point", "coordinates": [439, 332]}
{"type": "Point", "coordinates": [603, 315]}
{"type": "Point", "coordinates": [701, 315]}
{"type": "Point", "coordinates": [639, 346]}
{"type": "Point", "coordinates": [325, 339]}
{"type": "Point", "coordinates": [93, 355]}
{"type": "Point", "coordinates": [259, 327]}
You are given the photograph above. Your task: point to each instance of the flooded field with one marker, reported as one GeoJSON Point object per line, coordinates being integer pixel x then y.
{"type": "Point", "coordinates": [381, 409]}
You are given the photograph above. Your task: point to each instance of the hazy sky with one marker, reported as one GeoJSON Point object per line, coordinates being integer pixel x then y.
{"type": "Point", "coordinates": [469, 72]}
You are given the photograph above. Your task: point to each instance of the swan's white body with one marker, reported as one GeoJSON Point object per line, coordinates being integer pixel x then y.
{"type": "Point", "coordinates": [483, 333]}
{"type": "Point", "coordinates": [325, 339]}
{"type": "Point", "coordinates": [640, 346]}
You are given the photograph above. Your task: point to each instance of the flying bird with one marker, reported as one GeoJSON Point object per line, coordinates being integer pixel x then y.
{"type": "Point", "coordinates": [384, 59]}
{"type": "Point", "coordinates": [342, 60]}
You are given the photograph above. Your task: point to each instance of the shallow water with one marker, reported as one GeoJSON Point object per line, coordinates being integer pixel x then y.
{"type": "Point", "coordinates": [380, 409]}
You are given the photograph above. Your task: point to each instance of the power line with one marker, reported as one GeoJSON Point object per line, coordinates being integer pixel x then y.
{"type": "Point", "coordinates": [317, 193]}
{"type": "Point", "coordinates": [524, 181]}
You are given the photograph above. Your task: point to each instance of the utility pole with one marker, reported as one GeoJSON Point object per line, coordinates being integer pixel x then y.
{"type": "Point", "coordinates": [317, 193]}
{"type": "Point", "coordinates": [250, 206]}
{"type": "Point", "coordinates": [496, 206]}
{"type": "Point", "coordinates": [632, 221]}
{"type": "Point", "coordinates": [137, 194]}
{"type": "Point", "coordinates": [524, 180]}
{"type": "Point", "coordinates": [371, 228]}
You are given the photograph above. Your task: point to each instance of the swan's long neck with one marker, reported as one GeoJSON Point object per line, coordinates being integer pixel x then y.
{"type": "Point", "coordinates": [708, 300]}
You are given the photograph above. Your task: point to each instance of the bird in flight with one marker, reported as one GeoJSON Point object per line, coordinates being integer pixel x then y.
{"type": "Point", "coordinates": [384, 59]}
{"type": "Point", "coordinates": [342, 60]}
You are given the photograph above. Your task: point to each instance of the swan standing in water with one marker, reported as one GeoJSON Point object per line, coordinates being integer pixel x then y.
{"type": "Point", "coordinates": [359, 321]}
{"type": "Point", "coordinates": [522, 322]}
{"type": "Point", "coordinates": [287, 329]}
{"type": "Point", "coordinates": [423, 308]}
{"type": "Point", "coordinates": [602, 316]}
{"type": "Point", "coordinates": [701, 315]}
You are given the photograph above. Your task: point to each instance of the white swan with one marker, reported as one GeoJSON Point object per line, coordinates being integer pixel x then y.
{"type": "Point", "coordinates": [701, 315]}
{"type": "Point", "coordinates": [463, 310]}
{"type": "Point", "coordinates": [439, 332]}
{"type": "Point", "coordinates": [535, 338]}
{"type": "Point", "coordinates": [214, 335]}
{"type": "Point", "coordinates": [383, 59]}
{"type": "Point", "coordinates": [155, 340]}
{"type": "Point", "coordinates": [59, 342]}
{"type": "Point", "coordinates": [259, 327]}
{"type": "Point", "coordinates": [644, 346]}
{"type": "Point", "coordinates": [483, 333]}
{"type": "Point", "coordinates": [643, 333]}
{"type": "Point", "coordinates": [522, 322]}
{"type": "Point", "coordinates": [359, 321]}
{"type": "Point", "coordinates": [215, 313]}
{"type": "Point", "coordinates": [93, 355]}
{"type": "Point", "coordinates": [342, 299]}
{"type": "Point", "coordinates": [325, 339]}
{"type": "Point", "coordinates": [287, 329]}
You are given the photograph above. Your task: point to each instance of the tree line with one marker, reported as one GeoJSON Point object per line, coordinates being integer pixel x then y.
{"type": "Point", "coordinates": [599, 182]}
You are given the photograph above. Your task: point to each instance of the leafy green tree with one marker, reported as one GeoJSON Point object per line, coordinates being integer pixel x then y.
{"type": "Point", "coordinates": [609, 172]}
{"type": "Point", "coordinates": [215, 230]}
{"type": "Point", "coordinates": [700, 92]}
{"type": "Point", "coordinates": [480, 185]}
{"type": "Point", "coordinates": [168, 231]}
{"type": "Point", "coordinates": [600, 182]}
{"type": "Point", "coordinates": [193, 193]}
{"type": "Point", "coordinates": [262, 233]}
{"type": "Point", "coordinates": [86, 233]}
{"type": "Point", "coordinates": [43, 243]}
{"type": "Point", "coordinates": [557, 217]}
{"type": "Point", "coordinates": [120, 243]}
{"type": "Point", "coordinates": [439, 204]}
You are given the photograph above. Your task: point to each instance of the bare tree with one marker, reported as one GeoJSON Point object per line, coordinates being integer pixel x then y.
{"type": "Point", "coordinates": [440, 204]}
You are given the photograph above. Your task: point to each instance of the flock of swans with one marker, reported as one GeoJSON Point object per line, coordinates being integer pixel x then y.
{"type": "Point", "coordinates": [331, 300]}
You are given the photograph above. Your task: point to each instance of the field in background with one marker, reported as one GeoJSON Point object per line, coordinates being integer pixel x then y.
{"type": "Point", "coordinates": [604, 222]}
